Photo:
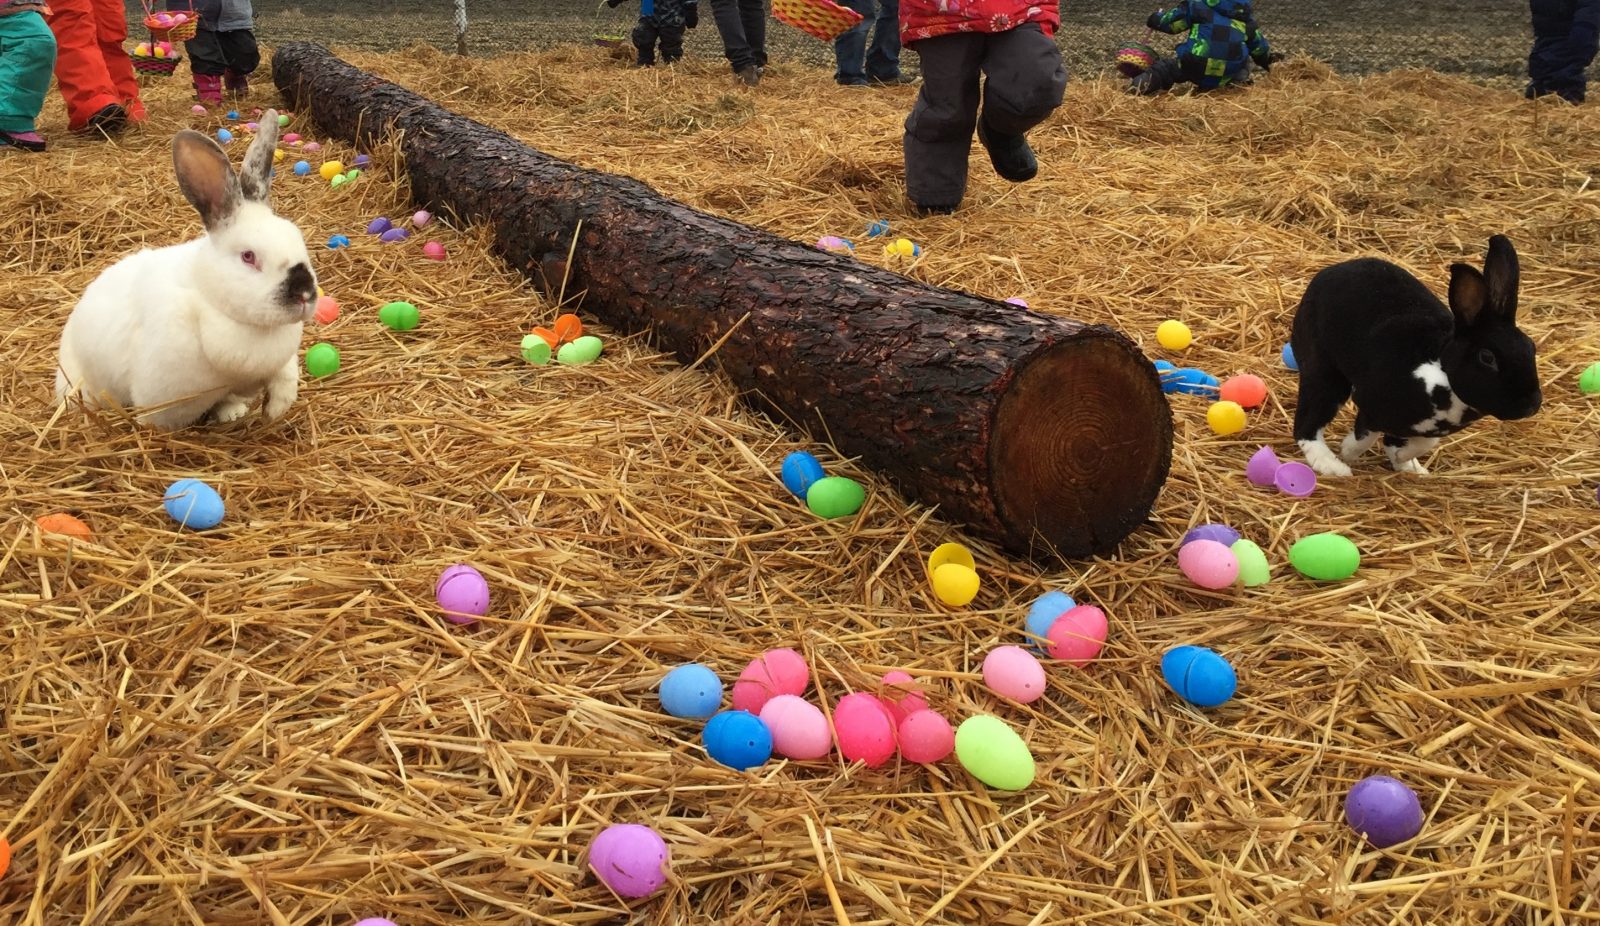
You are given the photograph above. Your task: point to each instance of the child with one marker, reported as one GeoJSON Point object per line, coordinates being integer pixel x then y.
{"type": "Point", "coordinates": [664, 20]}
{"type": "Point", "coordinates": [27, 54]}
{"type": "Point", "coordinates": [1222, 40]}
{"type": "Point", "coordinates": [92, 68]}
{"type": "Point", "coordinates": [1565, 36]}
{"type": "Point", "coordinates": [858, 67]}
{"type": "Point", "coordinates": [223, 53]}
{"type": "Point", "coordinates": [1010, 43]}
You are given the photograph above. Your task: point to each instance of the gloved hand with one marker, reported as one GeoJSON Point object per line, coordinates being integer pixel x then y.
{"type": "Point", "coordinates": [691, 15]}
{"type": "Point", "coordinates": [1154, 22]}
{"type": "Point", "coordinates": [1265, 64]}
{"type": "Point", "coordinates": [615, 3]}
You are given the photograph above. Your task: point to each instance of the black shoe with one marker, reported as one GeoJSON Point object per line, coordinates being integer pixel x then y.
{"type": "Point", "coordinates": [925, 210]}
{"type": "Point", "coordinates": [108, 121]}
{"type": "Point", "coordinates": [1010, 154]}
{"type": "Point", "coordinates": [750, 74]}
{"type": "Point", "coordinates": [898, 80]}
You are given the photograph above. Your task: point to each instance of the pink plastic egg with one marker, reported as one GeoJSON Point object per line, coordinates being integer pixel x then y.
{"type": "Point", "coordinates": [463, 593]}
{"type": "Point", "coordinates": [901, 696]}
{"type": "Point", "coordinates": [1208, 564]}
{"type": "Point", "coordinates": [1012, 672]}
{"type": "Point", "coordinates": [631, 859]}
{"type": "Point", "coordinates": [1077, 636]}
{"type": "Point", "coordinates": [775, 672]}
{"type": "Point", "coordinates": [421, 218]}
{"type": "Point", "coordinates": [291, 138]}
{"type": "Point", "coordinates": [197, 109]}
{"type": "Point", "coordinates": [926, 737]}
{"type": "Point", "coordinates": [312, 146]}
{"type": "Point", "coordinates": [433, 250]}
{"type": "Point", "coordinates": [1018, 301]}
{"type": "Point", "coordinates": [799, 728]}
{"type": "Point", "coordinates": [864, 728]}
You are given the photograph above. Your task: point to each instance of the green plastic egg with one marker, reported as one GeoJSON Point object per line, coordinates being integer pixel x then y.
{"type": "Point", "coordinates": [993, 753]}
{"type": "Point", "coordinates": [535, 350]}
{"type": "Point", "coordinates": [1253, 568]}
{"type": "Point", "coordinates": [1325, 557]}
{"type": "Point", "coordinates": [337, 181]}
{"type": "Point", "coordinates": [352, 174]}
{"type": "Point", "coordinates": [1589, 381]}
{"type": "Point", "coordinates": [583, 350]}
{"type": "Point", "coordinates": [401, 316]}
{"type": "Point", "coordinates": [322, 360]}
{"type": "Point", "coordinates": [282, 120]}
{"type": "Point", "coordinates": [835, 497]}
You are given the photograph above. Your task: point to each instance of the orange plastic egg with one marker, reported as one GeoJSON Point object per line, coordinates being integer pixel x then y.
{"type": "Point", "coordinates": [66, 525]}
{"type": "Point", "coordinates": [1245, 389]}
{"type": "Point", "coordinates": [568, 328]}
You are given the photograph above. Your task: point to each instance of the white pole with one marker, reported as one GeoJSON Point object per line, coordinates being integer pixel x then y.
{"type": "Point", "coordinates": [461, 27]}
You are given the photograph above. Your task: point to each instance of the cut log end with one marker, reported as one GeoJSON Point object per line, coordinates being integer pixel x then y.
{"type": "Point", "coordinates": [1076, 459]}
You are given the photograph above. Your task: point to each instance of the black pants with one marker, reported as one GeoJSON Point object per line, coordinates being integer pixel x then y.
{"type": "Point", "coordinates": [649, 31]}
{"type": "Point", "coordinates": [213, 53]}
{"type": "Point", "coordinates": [743, 25]}
{"type": "Point", "coordinates": [1566, 34]}
{"type": "Point", "coordinates": [1024, 83]}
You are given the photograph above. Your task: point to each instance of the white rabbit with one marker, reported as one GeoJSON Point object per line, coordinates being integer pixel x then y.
{"type": "Point", "coordinates": [199, 327]}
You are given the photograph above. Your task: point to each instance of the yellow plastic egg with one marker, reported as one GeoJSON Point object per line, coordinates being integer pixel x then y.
{"type": "Point", "coordinates": [142, 48]}
{"type": "Point", "coordinates": [955, 584]}
{"type": "Point", "coordinates": [1226, 417]}
{"type": "Point", "coordinates": [277, 155]}
{"type": "Point", "coordinates": [330, 169]}
{"type": "Point", "coordinates": [1174, 335]}
{"type": "Point", "coordinates": [160, 52]}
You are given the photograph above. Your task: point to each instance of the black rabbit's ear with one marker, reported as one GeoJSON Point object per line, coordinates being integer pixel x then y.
{"type": "Point", "coordinates": [1503, 276]}
{"type": "Point", "coordinates": [1469, 294]}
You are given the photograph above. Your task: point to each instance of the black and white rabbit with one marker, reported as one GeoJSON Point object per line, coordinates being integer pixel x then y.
{"type": "Point", "coordinates": [1419, 371]}
{"type": "Point", "coordinates": [200, 328]}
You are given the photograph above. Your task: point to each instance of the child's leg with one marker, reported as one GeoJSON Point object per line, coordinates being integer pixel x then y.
{"type": "Point", "coordinates": [850, 48]}
{"type": "Point", "coordinates": [27, 55]}
{"type": "Point", "coordinates": [111, 20]}
{"type": "Point", "coordinates": [243, 56]}
{"type": "Point", "coordinates": [1024, 85]}
{"type": "Point", "coordinates": [644, 39]}
{"type": "Point", "coordinates": [938, 135]}
{"type": "Point", "coordinates": [80, 68]}
{"type": "Point", "coordinates": [729, 18]}
{"type": "Point", "coordinates": [883, 59]}
{"type": "Point", "coordinates": [671, 43]}
{"type": "Point", "coordinates": [754, 15]}
{"type": "Point", "coordinates": [208, 62]}
{"type": "Point", "coordinates": [1161, 77]}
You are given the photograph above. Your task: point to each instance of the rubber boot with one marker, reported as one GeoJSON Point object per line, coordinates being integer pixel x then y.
{"type": "Point", "coordinates": [238, 84]}
{"type": "Point", "coordinates": [208, 89]}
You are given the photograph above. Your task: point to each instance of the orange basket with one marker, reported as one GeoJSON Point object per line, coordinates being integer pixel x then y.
{"type": "Point", "coordinates": [821, 18]}
{"type": "Point", "coordinates": [182, 32]}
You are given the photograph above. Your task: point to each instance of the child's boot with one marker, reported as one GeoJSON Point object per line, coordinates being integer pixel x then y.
{"type": "Point", "coordinates": [238, 84]}
{"type": "Point", "coordinates": [208, 89]}
{"type": "Point", "coordinates": [1012, 157]}
{"type": "Point", "coordinates": [23, 141]}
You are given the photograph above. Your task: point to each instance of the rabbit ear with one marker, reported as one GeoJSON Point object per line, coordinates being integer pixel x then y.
{"type": "Point", "coordinates": [206, 178]}
{"type": "Point", "coordinates": [1501, 271]}
{"type": "Point", "coordinates": [255, 176]}
{"type": "Point", "coordinates": [1469, 295]}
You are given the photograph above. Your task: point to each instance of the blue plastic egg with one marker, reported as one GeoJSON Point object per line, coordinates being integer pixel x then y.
{"type": "Point", "coordinates": [800, 470]}
{"type": "Point", "coordinates": [691, 691]}
{"type": "Point", "coordinates": [738, 739]}
{"type": "Point", "coordinates": [1043, 612]}
{"type": "Point", "coordinates": [233, 114]}
{"type": "Point", "coordinates": [193, 504]}
{"type": "Point", "coordinates": [301, 168]}
{"type": "Point", "coordinates": [877, 227]}
{"type": "Point", "coordinates": [224, 136]}
{"type": "Point", "coordinates": [338, 241]}
{"type": "Point", "coordinates": [1198, 675]}
{"type": "Point", "coordinates": [1288, 358]}
{"type": "Point", "coordinates": [1191, 381]}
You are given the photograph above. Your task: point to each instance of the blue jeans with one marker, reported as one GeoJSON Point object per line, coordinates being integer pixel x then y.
{"type": "Point", "coordinates": [856, 64]}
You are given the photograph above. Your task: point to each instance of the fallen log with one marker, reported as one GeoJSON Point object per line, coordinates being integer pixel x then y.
{"type": "Point", "coordinates": [1045, 434]}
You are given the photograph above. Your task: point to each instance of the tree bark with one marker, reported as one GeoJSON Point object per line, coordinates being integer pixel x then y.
{"type": "Point", "coordinates": [1044, 434]}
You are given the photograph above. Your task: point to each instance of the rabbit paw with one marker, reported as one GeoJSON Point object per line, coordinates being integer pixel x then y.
{"type": "Point", "coordinates": [1322, 458]}
{"type": "Point", "coordinates": [1411, 467]}
{"type": "Point", "coordinates": [282, 391]}
{"type": "Point", "coordinates": [231, 408]}
{"type": "Point", "coordinates": [1353, 446]}
{"type": "Point", "coordinates": [1404, 457]}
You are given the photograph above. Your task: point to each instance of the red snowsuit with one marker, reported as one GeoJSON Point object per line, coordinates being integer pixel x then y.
{"type": "Point", "coordinates": [92, 67]}
{"type": "Point", "coordinates": [924, 19]}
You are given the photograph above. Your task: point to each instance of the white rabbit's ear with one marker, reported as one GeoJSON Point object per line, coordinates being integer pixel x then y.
{"type": "Point", "coordinates": [255, 177]}
{"type": "Point", "coordinates": [206, 178]}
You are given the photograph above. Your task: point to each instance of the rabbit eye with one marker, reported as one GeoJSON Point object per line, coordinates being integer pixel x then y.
{"type": "Point", "coordinates": [249, 257]}
{"type": "Point", "coordinates": [1488, 359]}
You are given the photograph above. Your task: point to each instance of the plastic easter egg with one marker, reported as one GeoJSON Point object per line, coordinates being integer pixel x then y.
{"type": "Point", "coordinates": [835, 497]}
{"type": "Point", "coordinates": [433, 250]}
{"type": "Point", "coordinates": [224, 136]}
{"type": "Point", "coordinates": [327, 310]}
{"type": "Point", "coordinates": [421, 217]}
{"type": "Point", "coordinates": [835, 244]}
{"type": "Point", "coordinates": [925, 737]}
{"type": "Point", "coordinates": [955, 584]}
{"type": "Point", "coordinates": [1013, 672]}
{"type": "Point", "coordinates": [1288, 357]}
{"type": "Point", "coordinates": [251, 127]}
{"type": "Point", "coordinates": [691, 691]}
{"type": "Point", "coordinates": [1246, 390]}
{"type": "Point", "coordinates": [5, 856]}
{"type": "Point", "coordinates": [1191, 381]}
{"type": "Point", "coordinates": [567, 327]}
{"type": "Point", "coordinates": [335, 242]}
{"type": "Point", "coordinates": [876, 228]}
{"type": "Point", "coordinates": [160, 52]}
{"type": "Point", "coordinates": [1253, 567]}
{"type": "Point", "coordinates": [902, 247]}
{"type": "Point", "coordinates": [302, 168]}
{"type": "Point", "coordinates": [180, 18]}
{"type": "Point", "coordinates": [330, 169]}
{"type": "Point", "coordinates": [1589, 379]}
{"type": "Point", "coordinates": [290, 138]}
{"type": "Point", "coordinates": [1198, 675]}
{"type": "Point", "coordinates": [463, 594]}
{"type": "Point", "coordinates": [1383, 810]}
{"type": "Point", "coordinates": [584, 350]}
{"type": "Point", "coordinates": [1226, 418]}
{"type": "Point", "coordinates": [322, 359]}
{"type": "Point", "coordinates": [193, 504]}
{"type": "Point", "coordinates": [1077, 636]}
{"type": "Point", "coordinates": [375, 921]}
{"type": "Point", "coordinates": [865, 729]}
{"type": "Point", "coordinates": [1325, 557]}
{"type": "Point", "coordinates": [340, 181]}
{"type": "Point", "coordinates": [901, 696]}
{"type": "Point", "coordinates": [393, 235]}
{"type": "Point", "coordinates": [799, 728]}
{"type": "Point", "coordinates": [379, 225]}
{"type": "Point", "coordinates": [312, 146]}
{"type": "Point", "coordinates": [737, 739]}
{"type": "Point", "coordinates": [1221, 533]}
{"type": "Point", "coordinates": [1044, 612]}
{"type": "Point", "coordinates": [775, 672]}
{"type": "Point", "coordinates": [535, 350]}
{"type": "Point", "coordinates": [362, 160]}
{"type": "Point", "coordinates": [1262, 467]}
{"type": "Point", "coordinates": [1017, 301]}
{"type": "Point", "coordinates": [1208, 564]}
{"type": "Point", "coordinates": [283, 120]}
{"type": "Point", "coordinates": [197, 109]}
{"type": "Point", "coordinates": [351, 175]}
{"type": "Point", "coordinates": [993, 753]}
{"type": "Point", "coordinates": [799, 471]}
{"type": "Point", "coordinates": [1295, 478]}
{"type": "Point", "coordinates": [1174, 335]}
{"type": "Point", "coordinates": [400, 316]}
{"type": "Point", "coordinates": [65, 525]}
{"type": "Point", "coordinates": [630, 859]}
{"type": "Point", "coordinates": [277, 155]}
{"type": "Point", "coordinates": [950, 553]}
{"type": "Point", "coordinates": [1169, 376]}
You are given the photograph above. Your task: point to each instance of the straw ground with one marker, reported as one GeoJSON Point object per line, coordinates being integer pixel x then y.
{"type": "Point", "coordinates": [267, 723]}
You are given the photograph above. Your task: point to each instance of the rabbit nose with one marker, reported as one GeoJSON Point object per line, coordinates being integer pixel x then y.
{"type": "Point", "coordinates": [300, 286]}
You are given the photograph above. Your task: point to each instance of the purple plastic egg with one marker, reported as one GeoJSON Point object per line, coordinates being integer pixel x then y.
{"type": "Point", "coordinates": [1221, 533]}
{"type": "Point", "coordinates": [394, 234]}
{"type": "Point", "coordinates": [379, 225]}
{"type": "Point", "coordinates": [1295, 479]}
{"type": "Point", "coordinates": [463, 593]}
{"type": "Point", "coordinates": [361, 161]}
{"type": "Point", "coordinates": [1208, 564]}
{"type": "Point", "coordinates": [1018, 301]}
{"type": "Point", "coordinates": [375, 921]}
{"type": "Point", "coordinates": [631, 859]}
{"type": "Point", "coordinates": [1383, 810]}
{"type": "Point", "coordinates": [1262, 467]}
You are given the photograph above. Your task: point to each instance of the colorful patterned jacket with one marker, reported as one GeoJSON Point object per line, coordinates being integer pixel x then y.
{"type": "Point", "coordinates": [924, 19]}
{"type": "Point", "coordinates": [7, 7]}
{"type": "Point", "coordinates": [1221, 38]}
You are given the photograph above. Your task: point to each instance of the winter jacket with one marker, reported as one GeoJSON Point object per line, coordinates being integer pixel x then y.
{"type": "Point", "coordinates": [924, 19]}
{"type": "Point", "coordinates": [1566, 17]}
{"type": "Point", "coordinates": [1221, 38]}
{"type": "Point", "coordinates": [218, 15]}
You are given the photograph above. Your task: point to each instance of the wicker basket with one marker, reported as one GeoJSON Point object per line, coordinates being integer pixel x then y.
{"type": "Point", "coordinates": [179, 33]}
{"type": "Point", "coordinates": [820, 18]}
{"type": "Point", "coordinates": [160, 67]}
{"type": "Point", "coordinates": [1134, 58]}
{"type": "Point", "coordinates": [608, 28]}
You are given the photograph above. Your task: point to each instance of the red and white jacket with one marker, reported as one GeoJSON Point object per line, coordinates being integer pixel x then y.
{"type": "Point", "coordinates": [924, 19]}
